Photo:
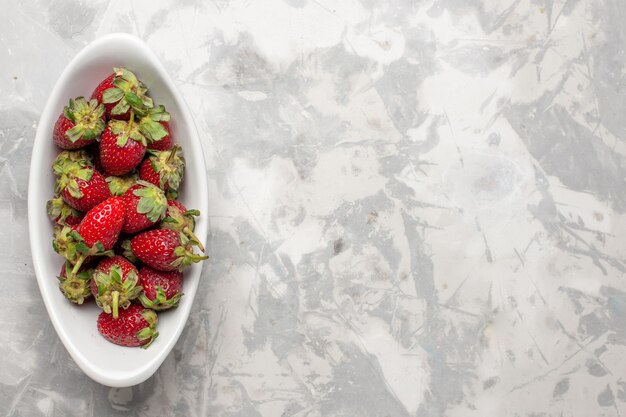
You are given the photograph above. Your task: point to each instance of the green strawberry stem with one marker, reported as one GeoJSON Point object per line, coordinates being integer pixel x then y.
{"type": "Point", "coordinates": [92, 251]}
{"type": "Point", "coordinates": [145, 301]}
{"type": "Point", "coordinates": [193, 238]}
{"type": "Point", "coordinates": [115, 303]}
{"type": "Point", "coordinates": [184, 254]}
{"type": "Point", "coordinates": [130, 121]}
{"type": "Point", "coordinates": [196, 258]}
{"type": "Point", "coordinates": [78, 264]}
{"type": "Point", "coordinates": [173, 153]}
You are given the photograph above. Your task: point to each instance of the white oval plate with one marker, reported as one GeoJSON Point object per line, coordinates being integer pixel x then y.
{"type": "Point", "coordinates": [105, 362]}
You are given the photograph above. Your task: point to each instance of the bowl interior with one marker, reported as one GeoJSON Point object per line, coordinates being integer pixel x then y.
{"type": "Point", "coordinates": [76, 325]}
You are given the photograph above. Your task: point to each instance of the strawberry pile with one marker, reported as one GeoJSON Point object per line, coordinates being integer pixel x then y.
{"type": "Point", "coordinates": [125, 238]}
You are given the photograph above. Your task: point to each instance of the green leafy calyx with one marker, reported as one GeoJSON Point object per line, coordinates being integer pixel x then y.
{"type": "Point", "coordinates": [127, 251]}
{"type": "Point", "coordinates": [75, 287]}
{"type": "Point", "coordinates": [115, 290]}
{"type": "Point", "coordinates": [59, 210]}
{"type": "Point", "coordinates": [70, 244]}
{"type": "Point", "coordinates": [160, 302]}
{"type": "Point", "coordinates": [148, 333]}
{"type": "Point", "coordinates": [128, 92]}
{"type": "Point", "coordinates": [182, 222]}
{"type": "Point", "coordinates": [69, 167]}
{"type": "Point", "coordinates": [170, 165]}
{"type": "Point", "coordinates": [87, 117]}
{"type": "Point", "coordinates": [152, 201]}
{"type": "Point", "coordinates": [119, 185]}
{"type": "Point", "coordinates": [149, 123]}
{"type": "Point", "coordinates": [185, 255]}
{"type": "Point", "coordinates": [125, 131]}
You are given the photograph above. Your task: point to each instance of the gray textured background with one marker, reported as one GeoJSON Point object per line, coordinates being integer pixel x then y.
{"type": "Point", "coordinates": [417, 207]}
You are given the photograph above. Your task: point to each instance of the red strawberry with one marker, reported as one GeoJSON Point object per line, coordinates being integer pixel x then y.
{"type": "Point", "coordinates": [76, 287]}
{"type": "Point", "coordinates": [103, 223]}
{"type": "Point", "coordinates": [80, 124]}
{"type": "Point", "coordinates": [164, 143]}
{"type": "Point", "coordinates": [120, 93]}
{"type": "Point", "coordinates": [145, 206]}
{"type": "Point", "coordinates": [165, 169]}
{"type": "Point", "coordinates": [78, 183]}
{"type": "Point", "coordinates": [90, 192]}
{"type": "Point", "coordinates": [147, 172]}
{"type": "Point", "coordinates": [119, 185]}
{"type": "Point", "coordinates": [106, 84]}
{"type": "Point", "coordinates": [161, 290]}
{"type": "Point", "coordinates": [182, 220]}
{"type": "Point", "coordinates": [61, 213]}
{"type": "Point", "coordinates": [135, 326]}
{"type": "Point", "coordinates": [114, 284]}
{"type": "Point", "coordinates": [95, 235]}
{"type": "Point", "coordinates": [165, 250]}
{"type": "Point", "coordinates": [122, 147]}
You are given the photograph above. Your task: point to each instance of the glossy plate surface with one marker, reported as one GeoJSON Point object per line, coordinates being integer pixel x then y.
{"type": "Point", "coordinates": [76, 325]}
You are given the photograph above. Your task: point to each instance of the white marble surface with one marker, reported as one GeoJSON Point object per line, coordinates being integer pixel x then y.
{"type": "Point", "coordinates": [417, 207]}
